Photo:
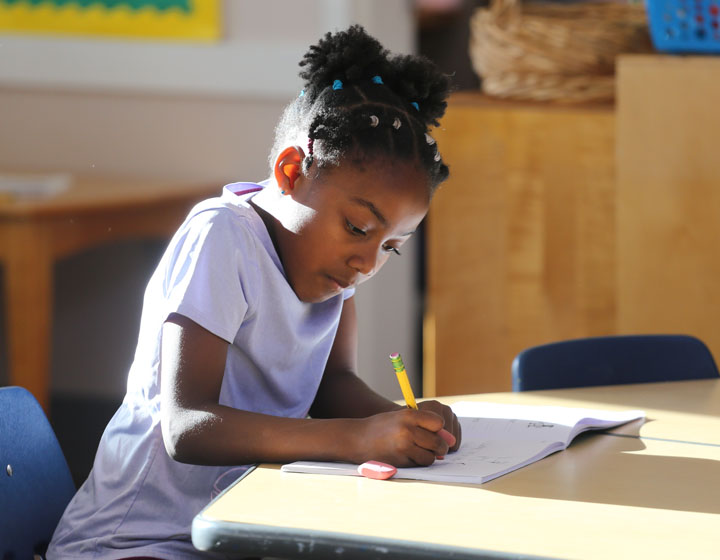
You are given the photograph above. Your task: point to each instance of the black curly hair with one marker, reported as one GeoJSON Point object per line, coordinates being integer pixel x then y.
{"type": "Point", "coordinates": [359, 104]}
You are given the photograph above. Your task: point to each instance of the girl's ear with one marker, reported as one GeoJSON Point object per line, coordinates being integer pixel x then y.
{"type": "Point", "coordinates": [288, 167]}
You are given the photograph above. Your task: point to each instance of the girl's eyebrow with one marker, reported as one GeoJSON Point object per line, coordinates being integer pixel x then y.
{"type": "Point", "coordinates": [370, 206]}
{"type": "Point", "coordinates": [374, 209]}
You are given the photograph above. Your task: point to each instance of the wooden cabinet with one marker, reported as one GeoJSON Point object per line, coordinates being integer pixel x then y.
{"type": "Point", "coordinates": [563, 222]}
{"type": "Point", "coordinates": [520, 248]}
{"type": "Point", "coordinates": [668, 196]}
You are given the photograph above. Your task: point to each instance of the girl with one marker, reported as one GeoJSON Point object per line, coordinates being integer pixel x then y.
{"type": "Point", "coordinates": [247, 342]}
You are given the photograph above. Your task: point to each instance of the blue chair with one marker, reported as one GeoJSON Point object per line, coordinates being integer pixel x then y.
{"type": "Point", "coordinates": [612, 360]}
{"type": "Point", "coordinates": [36, 484]}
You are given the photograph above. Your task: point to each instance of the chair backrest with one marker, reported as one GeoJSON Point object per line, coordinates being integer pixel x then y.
{"type": "Point", "coordinates": [36, 484]}
{"type": "Point", "coordinates": [612, 360]}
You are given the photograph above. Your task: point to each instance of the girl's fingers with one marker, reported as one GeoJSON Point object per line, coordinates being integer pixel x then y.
{"type": "Point", "coordinates": [430, 421]}
{"type": "Point", "coordinates": [422, 457]}
{"type": "Point", "coordinates": [447, 436]}
{"type": "Point", "coordinates": [458, 431]}
{"type": "Point", "coordinates": [431, 442]}
{"type": "Point", "coordinates": [450, 421]}
{"type": "Point", "coordinates": [428, 439]}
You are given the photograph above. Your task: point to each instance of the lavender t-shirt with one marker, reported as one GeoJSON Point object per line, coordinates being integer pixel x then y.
{"type": "Point", "coordinates": [222, 271]}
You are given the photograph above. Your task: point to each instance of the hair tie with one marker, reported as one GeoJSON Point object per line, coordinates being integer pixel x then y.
{"type": "Point", "coordinates": [377, 80]}
{"type": "Point", "coordinates": [414, 104]}
{"type": "Point", "coordinates": [396, 123]}
{"type": "Point", "coordinates": [374, 121]}
{"type": "Point", "coordinates": [337, 84]}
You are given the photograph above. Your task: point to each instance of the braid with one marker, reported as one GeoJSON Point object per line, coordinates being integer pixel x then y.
{"type": "Point", "coordinates": [359, 103]}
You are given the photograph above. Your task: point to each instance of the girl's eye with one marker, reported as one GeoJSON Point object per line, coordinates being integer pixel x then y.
{"type": "Point", "coordinates": [362, 233]}
{"type": "Point", "coordinates": [389, 249]}
{"type": "Point", "coordinates": [355, 230]}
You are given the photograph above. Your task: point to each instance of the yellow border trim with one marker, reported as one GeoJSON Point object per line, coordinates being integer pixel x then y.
{"type": "Point", "coordinates": [201, 23]}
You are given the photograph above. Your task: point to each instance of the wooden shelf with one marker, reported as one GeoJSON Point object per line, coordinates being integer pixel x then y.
{"type": "Point", "coordinates": [543, 233]}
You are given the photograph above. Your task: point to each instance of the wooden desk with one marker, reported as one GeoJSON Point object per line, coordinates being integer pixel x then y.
{"type": "Point", "coordinates": [604, 497]}
{"type": "Point", "coordinates": [687, 411]}
{"type": "Point", "coordinates": [34, 233]}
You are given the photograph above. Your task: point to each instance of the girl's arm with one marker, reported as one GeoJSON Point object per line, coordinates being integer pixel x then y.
{"type": "Point", "coordinates": [342, 394]}
{"type": "Point", "coordinates": [197, 429]}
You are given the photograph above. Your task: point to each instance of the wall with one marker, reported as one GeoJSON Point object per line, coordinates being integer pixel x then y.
{"type": "Point", "coordinates": [173, 110]}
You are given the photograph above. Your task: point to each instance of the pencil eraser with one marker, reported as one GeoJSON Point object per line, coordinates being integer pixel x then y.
{"type": "Point", "coordinates": [377, 470]}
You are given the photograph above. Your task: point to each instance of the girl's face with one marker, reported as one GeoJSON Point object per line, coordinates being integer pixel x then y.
{"type": "Point", "coordinates": [340, 228]}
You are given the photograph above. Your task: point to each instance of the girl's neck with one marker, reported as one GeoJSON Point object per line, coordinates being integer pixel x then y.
{"type": "Point", "coordinates": [259, 204]}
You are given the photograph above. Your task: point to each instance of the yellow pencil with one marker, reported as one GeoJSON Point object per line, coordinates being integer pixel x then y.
{"type": "Point", "coordinates": [403, 380]}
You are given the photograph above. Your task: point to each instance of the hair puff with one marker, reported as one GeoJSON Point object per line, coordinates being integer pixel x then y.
{"type": "Point", "coordinates": [350, 56]}
{"type": "Point", "coordinates": [416, 78]}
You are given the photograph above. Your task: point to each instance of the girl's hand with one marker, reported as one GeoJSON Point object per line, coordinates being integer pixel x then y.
{"type": "Point", "coordinates": [452, 424]}
{"type": "Point", "coordinates": [403, 438]}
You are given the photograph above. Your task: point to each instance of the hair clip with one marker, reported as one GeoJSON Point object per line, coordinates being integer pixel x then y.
{"type": "Point", "coordinates": [374, 121]}
{"type": "Point", "coordinates": [429, 139]}
{"type": "Point", "coordinates": [377, 80]}
{"type": "Point", "coordinates": [337, 84]}
{"type": "Point", "coordinates": [396, 123]}
{"type": "Point", "coordinates": [307, 163]}
{"type": "Point", "coordinates": [414, 104]}
{"type": "Point", "coordinates": [437, 156]}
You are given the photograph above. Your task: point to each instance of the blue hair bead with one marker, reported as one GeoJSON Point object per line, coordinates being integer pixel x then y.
{"type": "Point", "coordinates": [414, 104]}
{"type": "Point", "coordinates": [337, 84]}
{"type": "Point", "coordinates": [377, 80]}
{"type": "Point", "coordinates": [302, 93]}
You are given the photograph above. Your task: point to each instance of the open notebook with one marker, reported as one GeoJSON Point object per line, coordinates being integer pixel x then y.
{"type": "Point", "coordinates": [497, 439]}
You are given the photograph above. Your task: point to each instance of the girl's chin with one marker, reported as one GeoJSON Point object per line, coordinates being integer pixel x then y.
{"type": "Point", "coordinates": [316, 297]}
{"type": "Point", "coordinates": [319, 294]}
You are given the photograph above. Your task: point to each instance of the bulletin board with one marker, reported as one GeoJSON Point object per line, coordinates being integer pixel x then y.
{"type": "Point", "coordinates": [192, 20]}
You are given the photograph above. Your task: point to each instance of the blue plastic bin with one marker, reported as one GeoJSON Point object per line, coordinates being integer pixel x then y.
{"type": "Point", "coordinates": [685, 26]}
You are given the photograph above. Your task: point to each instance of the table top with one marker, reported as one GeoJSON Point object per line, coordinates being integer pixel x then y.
{"type": "Point", "coordinates": [675, 410]}
{"type": "Point", "coordinates": [605, 496]}
{"type": "Point", "coordinates": [88, 193]}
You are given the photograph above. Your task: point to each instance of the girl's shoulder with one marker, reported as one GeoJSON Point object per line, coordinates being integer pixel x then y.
{"type": "Point", "coordinates": [227, 221]}
{"type": "Point", "coordinates": [229, 210]}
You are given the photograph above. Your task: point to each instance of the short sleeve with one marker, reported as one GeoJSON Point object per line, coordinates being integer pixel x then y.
{"type": "Point", "coordinates": [208, 271]}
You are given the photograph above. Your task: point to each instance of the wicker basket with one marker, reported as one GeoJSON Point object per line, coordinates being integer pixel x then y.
{"type": "Point", "coordinates": [558, 52]}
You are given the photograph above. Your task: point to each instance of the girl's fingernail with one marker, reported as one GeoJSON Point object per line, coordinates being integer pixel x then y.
{"type": "Point", "coordinates": [447, 436]}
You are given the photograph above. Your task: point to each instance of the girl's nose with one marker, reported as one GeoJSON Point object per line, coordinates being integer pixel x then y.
{"type": "Point", "coordinates": [363, 265]}
{"type": "Point", "coordinates": [366, 262]}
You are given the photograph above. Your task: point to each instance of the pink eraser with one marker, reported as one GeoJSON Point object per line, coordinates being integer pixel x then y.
{"type": "Point", "coordinates": [377, 470]}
